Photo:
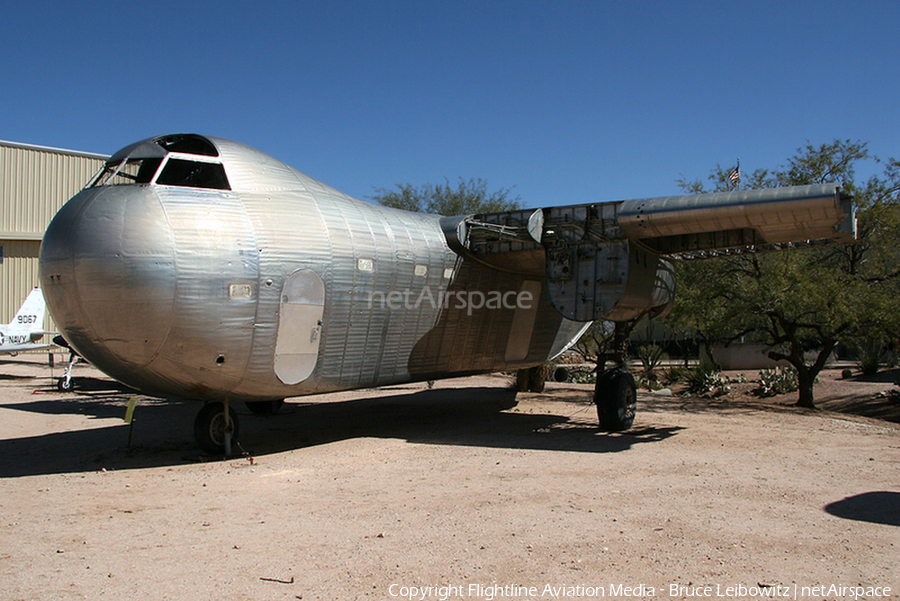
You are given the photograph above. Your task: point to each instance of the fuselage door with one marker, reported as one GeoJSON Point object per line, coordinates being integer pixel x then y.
{"type": "Point", "coordinates": [299, 326]}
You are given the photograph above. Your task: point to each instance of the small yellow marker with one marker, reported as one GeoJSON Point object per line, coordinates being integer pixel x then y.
{"type": "Point", "coordinates": [129, 413]}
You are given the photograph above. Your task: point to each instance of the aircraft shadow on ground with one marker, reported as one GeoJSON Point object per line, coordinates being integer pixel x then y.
{"type": "Point", "coordinates": [879, 507]}
{"type": "Point", "coordinates": [15, 377]}
{"type": "Point", "coordinates": [162, 434]}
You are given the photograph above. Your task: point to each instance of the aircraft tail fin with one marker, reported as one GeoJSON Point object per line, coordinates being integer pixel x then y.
{"type": "Point", "coordinates": [30, 317]}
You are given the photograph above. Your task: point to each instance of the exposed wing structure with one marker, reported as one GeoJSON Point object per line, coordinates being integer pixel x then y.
{"type": "Point", "coordinates": [604, 260]}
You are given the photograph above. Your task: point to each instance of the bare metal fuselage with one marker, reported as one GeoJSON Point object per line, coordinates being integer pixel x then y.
{"type": "Point", "coordinates": [279, 287]}
{"type": "Point", "coordinates": [201, 268]}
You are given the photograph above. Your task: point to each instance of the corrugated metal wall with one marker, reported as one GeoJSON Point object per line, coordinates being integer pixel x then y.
{"type": "Point", "coordinates": [35, 182]}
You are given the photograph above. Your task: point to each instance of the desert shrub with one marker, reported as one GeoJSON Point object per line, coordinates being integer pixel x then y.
{"type": "Point", "coordinates": [651, 355]}
{"type": "Point", "coordinates": [642, 380]}
{"type": "Point", "coordinates": [779, 380]}
{"type": "Point", "coordinates": [869, 357]}
{"type": "Point", "coordinates": [706, 380]}
{"type": "Point", "coordinates": [582, 376]}
{"type": "Point", "coordinates": [676, 374]}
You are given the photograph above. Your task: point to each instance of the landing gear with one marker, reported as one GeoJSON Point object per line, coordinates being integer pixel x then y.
{"type": "Point", "coordinates": [215, 427]}
{"type": "Point", "coordinates": [615, 392]}
{"type": "Point", "coordinates": [615, 395]}
{"type": "Point", "coordinates": [532, 379]}
{"type": "Point", "coordinates": [66, 382]}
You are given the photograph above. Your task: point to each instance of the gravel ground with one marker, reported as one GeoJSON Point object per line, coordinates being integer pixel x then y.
{"type": "Point", "coordinates": [409, 493]}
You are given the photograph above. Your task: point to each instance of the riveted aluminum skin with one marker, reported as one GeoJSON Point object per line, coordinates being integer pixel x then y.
{"type": "Point", "coordinates": [133, 274]}
{"type": "Point", "coordinates": [200, 268]}
{"type": "Point", "coordinates": [180, 291]}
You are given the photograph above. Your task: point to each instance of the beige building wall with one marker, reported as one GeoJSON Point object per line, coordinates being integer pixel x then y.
{"type": "Point", "coordinates": [35, 181]}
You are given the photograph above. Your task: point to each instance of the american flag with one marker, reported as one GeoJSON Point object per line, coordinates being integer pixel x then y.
{"type": "Point", "coordinates": [735, 175]}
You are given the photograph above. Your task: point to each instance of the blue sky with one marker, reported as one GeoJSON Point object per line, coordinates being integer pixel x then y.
{"type": "Point", "coordinates": [565, 102]}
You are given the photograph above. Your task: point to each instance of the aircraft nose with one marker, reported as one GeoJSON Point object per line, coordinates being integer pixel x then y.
{"type": "Point", "coordinates": [108, 273]}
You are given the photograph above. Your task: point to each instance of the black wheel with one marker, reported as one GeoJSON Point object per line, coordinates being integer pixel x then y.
{"type": "Point", "coordinates": [537, 378]}
{"type": "Point", "coordinates": [64, 384]}
{"type": "Point", "coordinates": [531, 379]}
{"type": "Point", "coordinates": [209, 428]}
{"type": "Point", "coordinates": [264, 407]}
{"type": "Point", "coordinates": [616, 397]}
{"type": "Point", "coordinates": [522, 379]}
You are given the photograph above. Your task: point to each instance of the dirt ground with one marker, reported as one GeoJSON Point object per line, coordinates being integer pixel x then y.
{"type": "Point", "coordinates": [409, 493]}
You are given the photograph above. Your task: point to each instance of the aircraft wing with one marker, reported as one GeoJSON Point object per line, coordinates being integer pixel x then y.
{"type": "Point", "coordinates": [20, 343]}
{"type": "Point", "coordinates": [740, 219]}
{"type": "Point", "coordinates": [669, 226]}
{"type": "Point", "coordinates": [21, 348]}
{"type": "Point", "coordinates": [593, 256]}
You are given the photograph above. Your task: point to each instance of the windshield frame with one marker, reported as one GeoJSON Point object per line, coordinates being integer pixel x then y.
{"type": "Point", "coordinates": [144, 171]}
{"type": "Point", "coordinates": [192, 158]}
{"type": "Point", "coordinates": [128, 171]}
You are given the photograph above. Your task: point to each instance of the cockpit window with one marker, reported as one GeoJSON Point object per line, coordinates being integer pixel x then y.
{"type": "Point", "coordinates": [185, 160]}
{"type": "Point", "coordinates": [177, 172]}
{"type": "Point", "coordinates": [188, 144]}
{"type": "Point", "coordinates": [193, 174]}
{"type": "Point", "coordinates": [130, 171]}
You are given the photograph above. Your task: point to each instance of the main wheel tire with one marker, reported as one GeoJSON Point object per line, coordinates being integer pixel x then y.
{"type": "Point", "coordinates": [209, 428]}
{"type": "Point", "coordinates": [522, 379]}
{"type": "Point", "coordinates": [264, 407]}
{"type": "Point", "coordinates": [532, 379]}
{"type": "Point", "coordinates": [65, 384]}
{"type": "Point", "coordinates": [616, 397]}
{"type": "Point", "coordinates": [537, 379]}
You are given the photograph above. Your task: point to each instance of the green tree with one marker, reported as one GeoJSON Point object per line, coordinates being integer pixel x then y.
{"type": "Point", "coordinates": [801, 303]}
{"type": "Point", "coordinates": [468, 197]}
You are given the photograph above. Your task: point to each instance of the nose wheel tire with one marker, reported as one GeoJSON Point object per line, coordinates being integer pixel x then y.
{"type": "Point", "coordinates": [615, 394]}
{"type": "Point", "coordinates": [211, 427]}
